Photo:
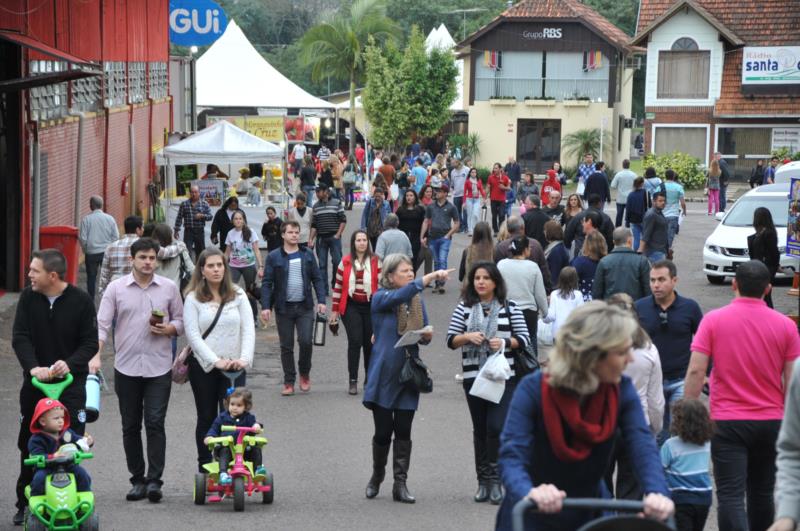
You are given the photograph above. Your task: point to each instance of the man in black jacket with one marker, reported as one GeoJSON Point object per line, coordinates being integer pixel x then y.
{"type": "Point", "coordinates": [55, 333]}
{"type": "Point", "coordinates": [597, 183]}
{"type": "Point", "coordinates": [534, 219]}
{"type": "Point", "coordinates": [574, 230]}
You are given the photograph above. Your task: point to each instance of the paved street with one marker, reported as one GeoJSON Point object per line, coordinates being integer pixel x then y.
{"type": "Point", "coordinates": [319, 446]}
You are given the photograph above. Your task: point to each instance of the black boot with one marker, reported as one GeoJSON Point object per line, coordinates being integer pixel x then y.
{"type": "Point", "coordinates": [402, 460]}
{"type": "Point", "coordinates": [495, 486]}
{"type": "Point", "coordinates": [380, 454]}
{"type": "Point", "coordinates": [481, 469]}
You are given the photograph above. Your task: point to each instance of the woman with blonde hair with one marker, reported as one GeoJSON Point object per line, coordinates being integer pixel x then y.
{"type": "Point", "coordinates": [594, 248]}
{"type": "Point", "coordinates": [559, 434]}
{"type": "Point", "coordinates": [713, 185]}
{"type": "Point", "coordinates": [397, 308]}
{"type": "Point", "coordinates": [219, 326]}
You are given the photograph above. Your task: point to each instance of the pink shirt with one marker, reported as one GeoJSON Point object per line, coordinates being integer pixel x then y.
{"type": "Point", "coordinates": [748, 344]}
{"type": "Point", "coordinates": [138, 351]}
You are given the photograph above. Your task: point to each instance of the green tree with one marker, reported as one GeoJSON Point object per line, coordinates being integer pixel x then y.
{"type": "Point", "coordinates": [585, 141]}
{"type": "Point", "coordinates": [408, 93]}
{"type": "Point", "coordinates": [335, 46]}
{"type": "Point", "coordinates": [622, 13]}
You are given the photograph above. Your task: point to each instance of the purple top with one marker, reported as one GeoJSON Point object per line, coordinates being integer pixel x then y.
{"type": "Point", "coordinates": [138, 351]}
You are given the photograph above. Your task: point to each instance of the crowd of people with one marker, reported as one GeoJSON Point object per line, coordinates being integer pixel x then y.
{"type": "Point", "coordinates": [602, 360]}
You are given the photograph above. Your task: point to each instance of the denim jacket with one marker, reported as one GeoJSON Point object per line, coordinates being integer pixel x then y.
{"type": "Point", "coordinates": [276, 280]}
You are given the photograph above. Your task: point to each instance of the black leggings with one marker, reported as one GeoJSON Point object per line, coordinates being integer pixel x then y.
{"type": "Point", "coordinates": [358, 325]}
{"type": "Point", "coordinates": [388, 421]}
{"type": "Point", "coordinates": [532, 320]}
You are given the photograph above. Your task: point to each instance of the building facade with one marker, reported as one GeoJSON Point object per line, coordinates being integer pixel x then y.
{"type": "Point", "coordinates": [721, 76]}
{"type": "Point", "coordinates": [540, 71]}
{"type": "Point", "coordinates": [96, 66]}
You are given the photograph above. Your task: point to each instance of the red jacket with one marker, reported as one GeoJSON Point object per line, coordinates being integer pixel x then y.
{"type": "Point", "coordinates": [468, 190]}
{"type": "Point", "coordinates": [342, 286]}
{"type": "Point", "coordinates": [550, 184]}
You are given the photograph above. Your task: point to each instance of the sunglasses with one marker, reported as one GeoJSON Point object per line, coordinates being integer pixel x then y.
{"type": "Point", "coordinates": [664, 316]}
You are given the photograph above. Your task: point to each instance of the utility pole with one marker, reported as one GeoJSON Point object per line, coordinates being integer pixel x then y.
{"type": "Point", "coordinates": [464, 18]}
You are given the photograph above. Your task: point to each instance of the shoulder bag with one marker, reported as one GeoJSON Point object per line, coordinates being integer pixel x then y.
{"type": "Point", "coordinates": [180, 367]}
{"type": "Point", "coordinates": [526, 359]}
{"type": "Point", "coordinates": [185, 276]}
{"type": "Point", "coordinates": [415, 374]}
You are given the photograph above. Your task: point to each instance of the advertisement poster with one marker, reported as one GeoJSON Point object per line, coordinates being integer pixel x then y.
{"type": "Point", "coordinates": [793, 224]}
{"type": "Point", "coordinates": [269, 128]}
{"type": "Point", "coordinates": [771, 65]}
{"type": "Point", "coordinates": [294, 129]}
{"type": "Point", "coordinates": [212, 191]}
{"type": "Point", "coordinates": [312, 127]}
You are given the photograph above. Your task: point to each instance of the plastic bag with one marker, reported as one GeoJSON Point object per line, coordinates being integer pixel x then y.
{"type": "Point", "coordinates": [544, 333]}
{"type": "Point", "coordinates": [394, 192]}
{"type": "Point", "coordinates": [581, 188]}
{"type": "Point", "coordinates": [496, 367]}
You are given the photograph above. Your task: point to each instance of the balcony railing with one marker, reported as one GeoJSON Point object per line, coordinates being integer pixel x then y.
{"type": "Point", "coordinates": [558, 89]}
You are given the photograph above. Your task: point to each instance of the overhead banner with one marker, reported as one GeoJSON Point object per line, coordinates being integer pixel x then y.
{"type": "Point", "coordinates": [793, 223]}
{"type": "Point", "coordinates": [195, 22]}
{"type": "Point", "coordinates": [771, 65]}
{"type": "Point", "coordinates": [269, 128]}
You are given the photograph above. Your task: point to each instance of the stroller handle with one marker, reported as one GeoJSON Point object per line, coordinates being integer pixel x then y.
{"type": "Point", "coordinates": [626, 506]}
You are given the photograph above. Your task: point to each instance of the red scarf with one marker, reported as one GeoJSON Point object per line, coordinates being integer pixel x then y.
{"type": "Point", "coordinates": [590, 424]}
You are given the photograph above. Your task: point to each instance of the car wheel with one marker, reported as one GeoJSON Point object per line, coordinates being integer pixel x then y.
{"type": "Point", "coordinates": [715, 279]}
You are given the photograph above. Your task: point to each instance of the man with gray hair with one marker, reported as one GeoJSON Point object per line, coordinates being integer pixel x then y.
{"type": "Point", "coordinates": [516, 227]}
{"type": "Point", "coordinates": [98, 230]}
{"type": "Point", "coordinates": [622, 270]}
{"type": "Point", "coordinates": [392, 240]}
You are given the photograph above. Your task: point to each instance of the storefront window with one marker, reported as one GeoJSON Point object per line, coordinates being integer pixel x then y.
{"type": "Point", "coordinates": [689, 140]}
{"type": "Point", "coordinates": [743, 146]}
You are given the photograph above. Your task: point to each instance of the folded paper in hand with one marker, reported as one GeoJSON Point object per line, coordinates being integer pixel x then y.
{"type": "Point", "coordinates": [412, 337]}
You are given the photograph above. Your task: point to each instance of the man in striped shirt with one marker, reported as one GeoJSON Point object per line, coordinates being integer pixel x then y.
{"type": "Point", "coordinates": [117, 258]}
{"type": "Point", "coordinates": [193, 214]}
{"type": "Point", "coordinates": [327, 225]}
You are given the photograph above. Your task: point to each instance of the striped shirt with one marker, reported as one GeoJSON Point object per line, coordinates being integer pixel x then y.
{"type": "Point", "coordinates": [295, 288]}
{"type": "Point", "coordinates": [116, 262]}
{"type": "Point", "coordinates": [187, 213]}
{"type": "Point", "coordinates": [686, 468]}
{"type": "Point", "coordinates": [359, 293]}
{"type": "Point", "coordinates": [515, 327]}
{"type": "Point", "coordinates": [326, 217]}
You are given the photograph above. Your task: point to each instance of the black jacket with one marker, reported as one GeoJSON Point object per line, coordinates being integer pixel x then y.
{"type": "Point", "coordinates": [66, 331]}
{"type": "Point", "coordinates": [597, 183]}
{"type": "Point", "coordinates": [574, 230]}
{"type": "Point", "coordinates": [221, 225]}
{"type": "Point", "coordinates": [763, 246]}
{"type": "Point", "coordinates": [534, 225]}
{"type": "Point", "coordinates": [276, 280]}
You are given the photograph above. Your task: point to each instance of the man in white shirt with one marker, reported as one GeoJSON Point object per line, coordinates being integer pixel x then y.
{"type": "Point", "coordinates": [458, 176]}
{"type": "Point", "coordinates": [299, 152]}
{"type": "Point", "coordinates": [623, 183]}
{"type": "Point", "coordinates": [98, 230]}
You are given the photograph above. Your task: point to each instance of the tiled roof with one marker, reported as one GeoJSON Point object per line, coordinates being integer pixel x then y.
{"type": "Point", "coordinates": [757, 22]}
{"type": "Point", "coordinates": [733, 103]}
{"type": "Point", "coordinates": [572, 10]}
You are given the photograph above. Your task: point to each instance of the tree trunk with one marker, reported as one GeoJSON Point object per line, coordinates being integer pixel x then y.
{"type": "Point", "coordinates": [353, 114]}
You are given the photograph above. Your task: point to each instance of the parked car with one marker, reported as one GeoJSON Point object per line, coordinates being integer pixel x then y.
{"type": "Point", "coordinates": [726, 247]}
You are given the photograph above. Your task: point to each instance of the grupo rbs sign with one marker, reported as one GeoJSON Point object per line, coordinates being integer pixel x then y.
{"type": "Point", "coordinates": [771, 65]}
{"type": "Point", "coordinates": [195, 22]}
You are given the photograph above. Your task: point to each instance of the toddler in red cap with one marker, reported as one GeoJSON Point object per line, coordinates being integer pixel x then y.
{"type": "Point", "coordinates": [49, 431]}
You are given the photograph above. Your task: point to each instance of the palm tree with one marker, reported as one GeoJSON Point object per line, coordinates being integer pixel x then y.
{"type": "Point", "coordinates": [335, 46]}
{"type": "Point", "coordinates": [585, 141]}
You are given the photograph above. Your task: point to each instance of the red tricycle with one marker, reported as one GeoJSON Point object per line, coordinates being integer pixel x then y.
{"type": "Point", "coordinates": [244, 479]}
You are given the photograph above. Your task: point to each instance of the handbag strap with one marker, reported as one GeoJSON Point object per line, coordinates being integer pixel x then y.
{"type": "Point", "coordinates": [214, 322]}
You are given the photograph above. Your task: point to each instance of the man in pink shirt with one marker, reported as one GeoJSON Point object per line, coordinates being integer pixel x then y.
{"type": "Point", "coordinates": [143, 361]}
{"type": "Point", "coordinates": [753, 349]}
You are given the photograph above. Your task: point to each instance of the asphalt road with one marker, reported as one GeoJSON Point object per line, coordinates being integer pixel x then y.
{"type": "Point", "coordinates": [319, 447]}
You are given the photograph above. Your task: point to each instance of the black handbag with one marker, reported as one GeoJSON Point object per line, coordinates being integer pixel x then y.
{"type": "Point", "coordinates": [526, 359]}
{"type": "Point", "coordinates": [415, 374]}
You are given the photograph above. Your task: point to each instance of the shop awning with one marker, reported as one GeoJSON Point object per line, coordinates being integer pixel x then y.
{"type": "Point", "coordinates": [80, 68]}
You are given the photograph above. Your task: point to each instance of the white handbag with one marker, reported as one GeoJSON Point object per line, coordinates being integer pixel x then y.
{"type": "Point", "coordinates": [544, 333]}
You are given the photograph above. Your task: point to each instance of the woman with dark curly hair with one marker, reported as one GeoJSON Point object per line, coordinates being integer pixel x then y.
{"type": "Point", "coordinates": [685, 458]}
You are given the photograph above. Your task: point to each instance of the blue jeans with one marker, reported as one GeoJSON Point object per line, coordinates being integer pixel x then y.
{"type": "Point", "coordinates": [673, 391]}
{"type": "Point", "coordinates": [723, 196]}
{"type": "Point", "coordinates": [440, 247]}
{"type": "Point", "coordinates": [93, 263]}
{"type": "Point", "coordinates": [325, 245]}
{"type": "Point", "coordinates": [655, 256]}
{"type": "Point", "coordinates": [672, 229]}
{"type": "Point", "coordinates": [462, 213]}
{"type": "Point", "coordinates": [310, 197]}
{"type": "Point", "coordinates": [636, 229]}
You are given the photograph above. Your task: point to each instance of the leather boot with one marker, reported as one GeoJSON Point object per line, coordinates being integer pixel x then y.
{"type": "Point", "coordinates": [481, 469]}
{"type": "Point", "coordinates": [380, 454]}
{"type": "Point", "coordinates": [401, 461]}
{"type": "Point", "coordinates": [495, 485]}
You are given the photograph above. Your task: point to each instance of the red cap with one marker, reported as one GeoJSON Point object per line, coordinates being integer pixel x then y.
{"type": "Point", "coordinates": [43, 406]}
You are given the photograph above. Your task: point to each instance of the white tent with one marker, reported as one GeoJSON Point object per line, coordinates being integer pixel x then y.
{"type": "Point", "coordinates": [220, 144]}
{"type": "Point", "coordinates": [231, 73]}
{"type": "Point", "coordinates": [440, 38]}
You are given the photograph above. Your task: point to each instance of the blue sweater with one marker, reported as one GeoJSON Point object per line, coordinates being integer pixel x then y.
{"type": "Point", "coordinates": [247, 420]}
{"type": "Point", "coordinates": [527, 459]}
{"type": "Point", "coordinates": [686, 467]}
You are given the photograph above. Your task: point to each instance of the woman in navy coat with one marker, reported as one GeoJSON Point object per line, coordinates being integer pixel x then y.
{"type": "Point", "coordinates": [396, 308]}
{"type": "Point", "coordinates": [559, 435]}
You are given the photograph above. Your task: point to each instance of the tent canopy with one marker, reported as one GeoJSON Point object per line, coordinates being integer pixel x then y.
{"type": "Point", "coordinates": [231, 73]}
{"type": "Point", "coordinates": [221, 143]}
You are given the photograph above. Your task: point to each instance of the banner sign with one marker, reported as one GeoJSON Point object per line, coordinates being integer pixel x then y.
{"type": "Point", "coordinates": [793, 223]}
{"type": "Point", "coordinates": [212, 191]}
{"type": "Point", "coordinates": [786, 137]}
{"type": "Point", "coordinates": [195, 22]}
{"type": "Point", "coordinates": [771, 65]}
{"type": "Point", "coordinates": [269, 128]}
{"type": "Point", "coordinates": [294, 128]}
{"type": "Point", "coordinates": [312, 129]}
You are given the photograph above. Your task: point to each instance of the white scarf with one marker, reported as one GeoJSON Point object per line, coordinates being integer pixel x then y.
{"type": "Point", "coordinates": [367, 268]}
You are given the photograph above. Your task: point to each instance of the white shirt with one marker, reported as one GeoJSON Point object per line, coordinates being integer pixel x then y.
{"type": "Point", "coordinates": [559, 308]}
{"type": "Point", "coordinates": [623, 182]}
{"type": "Point", "coordinates": [645, 371]}
{"type": "Point", "coordinates": [299, 151]}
